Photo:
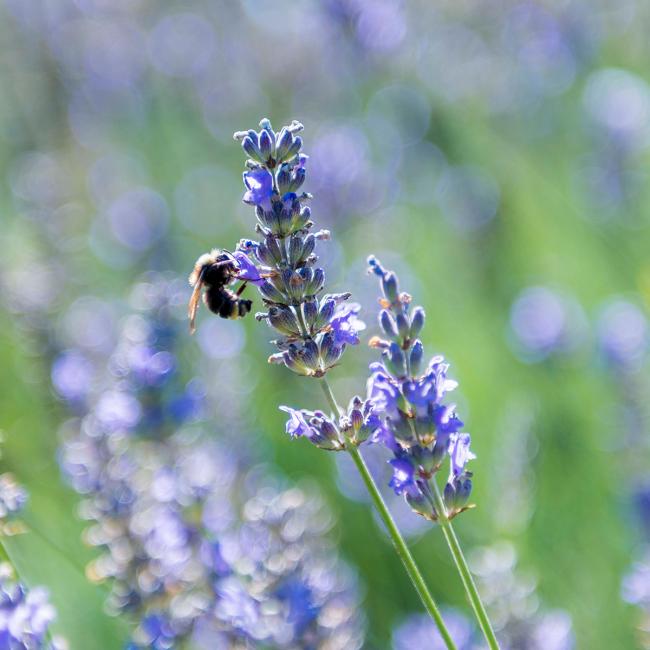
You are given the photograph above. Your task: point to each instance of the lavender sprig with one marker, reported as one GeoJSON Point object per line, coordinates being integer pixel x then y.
{"type": "Point", "coordinates": [314, 328]}
{"type": "Point", "coordinates": [418, 427]}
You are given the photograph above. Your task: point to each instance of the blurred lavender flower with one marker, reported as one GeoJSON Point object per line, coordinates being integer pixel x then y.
{"type": "Point", "coordinates": [416, 425]}
{"type": "Point", "coordinates": [419, 631]}
{"type": "Point", "coordinates": [623, 334]}
{"type": "Point", "coordinates": [13, 497]}
{"type": "Point", "coordinates": [197, 549]}
{"type": "Point", "coordinates": [25, 616]}
{"type": "Point", "coordinates": [544, 323]}
{"type": "Point", "coordinates": [510, 597]}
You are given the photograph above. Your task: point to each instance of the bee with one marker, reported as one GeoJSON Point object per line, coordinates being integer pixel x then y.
{"type": "Point", "coordinates": [214, 271]}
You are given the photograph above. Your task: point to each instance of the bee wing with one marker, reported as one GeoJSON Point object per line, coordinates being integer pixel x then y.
{"type": "Point", "coordinates": [193, 306]}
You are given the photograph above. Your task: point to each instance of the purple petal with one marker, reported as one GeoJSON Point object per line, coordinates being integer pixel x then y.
{"type": "Point", "coordinates": [247, 270]}
{"type": "Point", "coordinates": [259, 184]}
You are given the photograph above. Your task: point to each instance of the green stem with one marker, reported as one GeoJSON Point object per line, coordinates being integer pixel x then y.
{"type": "Point", "coordinates": [396, 536]}
{"type": "Point", "coordinates": [463, 568]}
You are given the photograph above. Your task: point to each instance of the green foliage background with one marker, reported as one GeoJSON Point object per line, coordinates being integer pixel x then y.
{"type": "Point", "coordinates": [581, 534]}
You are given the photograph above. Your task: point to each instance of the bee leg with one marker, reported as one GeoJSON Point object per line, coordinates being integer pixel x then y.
{"type": "Point", "coordinates": [241, 289]}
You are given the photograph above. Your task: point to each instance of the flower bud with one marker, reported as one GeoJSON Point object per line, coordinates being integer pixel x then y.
{"type": "Point", "coordinates": [387, 323]}
{"type": "Point", "coordinates": [389, 286]}
{"type": "Point", "coordinates": [403, 326]}
{"type": "Point", "coordinates": [296, 286]}
{"type": "Point", "coordinates": [327, 309]}
{"type": "Point", "coordinates": [417, 322]}
{"type": "Point", "coordinates": [265, 145]}
{"type": "Point", "coordinates": [308, 245]}
{"type": "Point", "coordinates": [271, 293]}
{"type": "Point", "coordinates": [415, 358]}
{"type": "Point", "coordinates": [301, 219]}
{"type": "Point", "coordinates": [284, 180]}
{"type": "Point", "coordinates": [251, 148]}
{"type": "Point", "coordinates": [395, 360]}
{"type": "Point", "coordinates": [316, 283]}
{"type": "Point", "coordinates": [356, 419]}
{"type": "Point", "coordinates": [264, 256]}
{"type": "Point", "coordinates": [284, 142]}
{"type": "Point", "coordinates": [450, 496]}
{"type": "Point", "coordinates": [420, 505]}
{"type": "Point", "coordinates": [295, 147]}
{"type": "Point", "coordinates": [295, 249]}
{"type": "Point", "coordinates": [330, 352]}
{"type": "Point", "coordinates": [310, 312]}
{"type": "Point", "coordinates": [298, 179]}
{"type": "Point", "coordinates": [284, 320]}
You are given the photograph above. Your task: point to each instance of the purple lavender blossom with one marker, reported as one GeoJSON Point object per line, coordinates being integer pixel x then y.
{"type": "Point", "coordinates": [296, 424]}
{"type": "Point", "coordinates": [357, 425]}
{"type": "Point", "coordinates": [403, 480]}
{"type": "Point", "coordinates": [247, 270]}
{"type": "Point", "coordinates": [259, 184]}
{"type": "Point", "coordinates": [346, 325]}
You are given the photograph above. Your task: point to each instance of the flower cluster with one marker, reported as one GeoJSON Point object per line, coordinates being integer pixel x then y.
{"type": "Point", "coordinates": [416, 425]}
{"type": "Point", "coordinates": [358, 424]}
{"type": "Point", "coordinates": [313, 329]}
{"type": "Point", "coordinates": [25, 616]}
{"type": "Point", "coordinates": [197, 549]}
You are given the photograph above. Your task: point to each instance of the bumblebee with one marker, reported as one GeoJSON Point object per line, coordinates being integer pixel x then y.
{"type": "Point", "coordinates": [214, 271]}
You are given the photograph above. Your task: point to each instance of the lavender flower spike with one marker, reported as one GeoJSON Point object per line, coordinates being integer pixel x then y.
{"type": "Point", "coordinates": [417, 425]}
{"type": "Point", "coordinates": [314, 329]}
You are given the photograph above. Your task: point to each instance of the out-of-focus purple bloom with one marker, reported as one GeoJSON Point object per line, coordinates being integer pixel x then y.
{"type": "Point", "coordinates": [513, 604]}
{"type": "Point", "coordinates": [346, 325]}
{"type": "Point", "coordinates": [419, 631]}
{"type": "Point", "coordinates": [13, 496]}
{"type": "Point", "coordinates": [259, 185]}
{"type": "Point", "coordinates": [544, 323]}
{"type": "Point", "coordinates": [623, 334]}
{"type": "Point", "coordinates": [217, 557]}
{"type": "Point", "coordinates": [72, 375]}
{"type": "Point", "coordinates": [25, 616]}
